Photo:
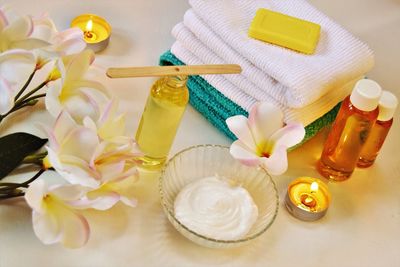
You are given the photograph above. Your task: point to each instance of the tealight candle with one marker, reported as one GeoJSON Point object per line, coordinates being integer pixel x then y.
{"type": "Point", "coordinates": [307, 198]}
{"type": "Point", "coordinates": [96, 30]}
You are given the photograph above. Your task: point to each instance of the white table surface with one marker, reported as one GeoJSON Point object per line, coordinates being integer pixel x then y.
{"type": "Point", "coordinates": [361, 228]}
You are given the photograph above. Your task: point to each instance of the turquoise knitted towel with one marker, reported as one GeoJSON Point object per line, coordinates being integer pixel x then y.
{"type": "Point", "coordinates": [217, 108]}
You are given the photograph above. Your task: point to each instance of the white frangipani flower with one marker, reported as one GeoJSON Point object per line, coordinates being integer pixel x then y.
{"type": "Point", "coordinates": [80, 97]}
{"type": "Point", "coordinates": [81, 155]}
{"type": "Point", "coordinates": [262, 139]}
{"type": "Point", "coordinates": [30, 33]}
{"type": "Point", "coordinates": [54, 219]}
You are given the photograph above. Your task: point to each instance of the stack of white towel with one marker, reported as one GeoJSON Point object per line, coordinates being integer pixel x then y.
{"type": "Point", "coordinates": [305, 87]}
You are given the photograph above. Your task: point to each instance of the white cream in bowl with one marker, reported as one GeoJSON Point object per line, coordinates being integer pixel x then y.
{"type": "Point", "coordinates": [216, 209]}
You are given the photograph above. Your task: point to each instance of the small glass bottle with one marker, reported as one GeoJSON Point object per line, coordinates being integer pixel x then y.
{"type": "Point", "coordinates": [356, 116]}
{"type": "Point", "coordinates": [369, 152]}
{"type": "Point", "coordinates": [160, 119]}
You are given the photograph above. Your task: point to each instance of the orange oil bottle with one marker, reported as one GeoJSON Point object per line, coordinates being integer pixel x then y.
{"type": "Point", "coordinates": [350, 130]}
{"type": "Point", "coordinates": [387, 106]}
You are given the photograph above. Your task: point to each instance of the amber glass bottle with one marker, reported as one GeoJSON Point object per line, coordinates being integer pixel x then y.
{"type": "Point", "coordinates": [387, 106]}
{"type": "Point", "coordinates": [160, 119]}
{"type": "Point", "coordinates": [350, 130]}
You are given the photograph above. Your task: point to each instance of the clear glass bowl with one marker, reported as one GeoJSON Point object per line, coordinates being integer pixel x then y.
{"type": "Point", "coordinates": [207, 160]}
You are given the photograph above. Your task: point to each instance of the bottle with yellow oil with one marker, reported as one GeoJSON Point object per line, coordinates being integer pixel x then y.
{"type": "Point", "coordinates": [350, 130]}
{"type": "Point", "coordinates": [160, 120]}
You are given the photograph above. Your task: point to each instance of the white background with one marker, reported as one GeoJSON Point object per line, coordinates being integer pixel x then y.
{"type": "Point", "coordinates": [361, 228]}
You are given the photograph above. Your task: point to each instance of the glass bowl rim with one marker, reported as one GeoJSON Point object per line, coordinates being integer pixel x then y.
{"type": "Point", "coordinates": [171, 214]}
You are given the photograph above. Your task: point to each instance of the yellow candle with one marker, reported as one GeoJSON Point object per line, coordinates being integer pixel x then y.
{"type": "Point", "coordinates": [307, 198]}
{"type": "Point", "coordinates": [96, 30]}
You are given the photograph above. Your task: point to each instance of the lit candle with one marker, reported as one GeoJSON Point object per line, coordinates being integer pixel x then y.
{"type": "Point", "coordinates": [96, 30]}
{"type": "Point", "coordinates": [307, 198]}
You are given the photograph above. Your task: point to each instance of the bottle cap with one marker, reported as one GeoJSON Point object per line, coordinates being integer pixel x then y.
{"type": "Point", "coordinates": [387, 106]}
{"type": "Point", "coordinates": [366, 94]}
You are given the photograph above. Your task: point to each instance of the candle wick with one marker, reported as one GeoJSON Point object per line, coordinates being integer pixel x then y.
{"type": "Point", "coordinates": [308, 201]}
{"type": "Point", "coordinates": [88, 34]}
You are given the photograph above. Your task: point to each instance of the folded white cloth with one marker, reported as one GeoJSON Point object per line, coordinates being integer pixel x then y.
{"type": "Point", "coordinates": [196, 36]}
{"type": "Point", "coordinates": [291, 78]}
{"type": "Point", "coordinates": [305, 115]}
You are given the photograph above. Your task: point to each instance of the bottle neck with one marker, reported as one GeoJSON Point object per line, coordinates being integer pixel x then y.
{"type": "Point", "coordinates": [178, 81]}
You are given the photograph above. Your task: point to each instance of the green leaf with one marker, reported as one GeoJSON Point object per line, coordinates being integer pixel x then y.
{"type": "Point", "coordinates": [14, 148]}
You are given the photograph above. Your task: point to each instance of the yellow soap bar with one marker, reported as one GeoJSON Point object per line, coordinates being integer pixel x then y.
{"type": "Point", "coordinates": [283, 30]}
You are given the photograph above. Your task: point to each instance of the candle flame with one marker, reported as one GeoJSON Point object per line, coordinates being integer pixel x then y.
{"type": "Point", "coordinates": [314, 187]}
{"type": "Point", "coordinates": [89, 25]}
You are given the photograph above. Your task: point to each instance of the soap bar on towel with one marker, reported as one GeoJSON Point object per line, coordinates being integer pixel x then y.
{"type": "Point", "coordinates": [283, 30]}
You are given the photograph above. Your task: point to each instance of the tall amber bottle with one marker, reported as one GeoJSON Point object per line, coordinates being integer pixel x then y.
{"type": "Point", "coordinates": [387, 106]}
{"type": "Point", "coordinates": [352, 125]}
{"type": "Point", "coordinates": [160, 120]}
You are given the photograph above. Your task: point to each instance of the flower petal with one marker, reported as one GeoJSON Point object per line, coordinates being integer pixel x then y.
{"type": "Point", "coordinates": [69, 34]}
{"type": "Point", "coordinates": [77, 171]}
{"type": "Point", "coordinates": [6, 96]}
{"type": "Point", "coordinates": [94, 89]}
{"type": "Point", "coordinates": [277, 163]}
{"type": "Point", "coordinates": [64, 126]}
{"type": "Point", "coordinates": [81, 142]}
{"type": "Point", "coordinates": [98, 200]}
{"type": "Point", "coordinates": [16, 66]}
{"type": "Point", "coordinates": [68, 192]}
{"type": "Point", "coordinates": [73, 169]}
{"type": "Point", "coordinates": [19, 29]}
{"type": "Point", "coordinates": [3, 20]}
{"type": "Point", "coordinates": [52, 101]}
{"type": "Point", "coordinates": [44, 28]}
{"type": "Point", "coordinates": [79, 106]}
{"type": "Point", "coordinates": [89, 123]}
{"type": "Point", "coordinates": [110, 170]}
{"type": "Point", "coordinates": [29, 44]}
{"type": "Point", "coordinates": [112, 128]}
{"type": "Point", "coordinates": [34, 195]}
{"type": "Point", "coordinates": [132, 202]}
{"type": "Point", "coordinates": [46, 227]}
{"type": "Point", "coordinates": [288, 136]}
{"type": "Point", "coordinates": [77, 65]}
{"type": "Point", "coordinates": [75, 229]}
{"type": "Point", "coordinates": [242, 153]}
{"type": "Point", "coordinates": [264, 120]}
{"type": "Point", "coordinates": [71, 46]}
{"type": "Point", "coordinates": [239, 126]}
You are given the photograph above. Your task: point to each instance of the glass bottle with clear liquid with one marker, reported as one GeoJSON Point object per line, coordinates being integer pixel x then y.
{"type": "Point", "coordinates": [350, 130]}
{"type": "Point", "coordinates": [160, 120]}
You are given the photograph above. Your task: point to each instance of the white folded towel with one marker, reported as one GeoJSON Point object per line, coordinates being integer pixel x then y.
{"type": "Point", "coordinates": [305, 115]}
{"type": "Point", "coordinates": [300, 79]}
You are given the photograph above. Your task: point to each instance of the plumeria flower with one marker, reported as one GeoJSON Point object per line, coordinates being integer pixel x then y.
{"type": "Point", "coordinates": [26, 32]}
{"type": "Point", "coordinates": [15, 68]}
{"type": "Point", "coordinates": [67, 42]}
{"type": "Point", "coordinates": [13, 29]}
{"type": "Point", "coordinates": [54, 217]}
{"type": "Point", "coordinates": [80, 97]}
{"type": "Point", "coordinates": [80, 155]}
{"type": "Point", "coordinates": [262, 139]}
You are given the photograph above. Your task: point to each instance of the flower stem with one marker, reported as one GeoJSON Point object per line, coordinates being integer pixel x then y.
{"type": "Point", "coordinates": [25, 97]}
{"type": "Point", "coordinates": [25, 101]}
{"type": "Point", "coordinates": [17, 193]}
{"type": "Point", "coordinates": [29, 99]}
{"type": "Point", "coordinates": [25, 86]}
{"type": "Point", "coordinates": [11, 190]}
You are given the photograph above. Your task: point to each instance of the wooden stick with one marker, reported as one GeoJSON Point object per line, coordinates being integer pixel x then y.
{"type": "Point", "coordinates": [173, 70]}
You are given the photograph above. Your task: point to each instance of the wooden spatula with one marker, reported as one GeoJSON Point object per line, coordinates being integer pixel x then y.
{"type": "Point", "coordinates": [173, 70]}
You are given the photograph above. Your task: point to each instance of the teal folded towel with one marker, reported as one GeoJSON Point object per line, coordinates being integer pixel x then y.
{"type": "Point", "coordinates": [214, 106]}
